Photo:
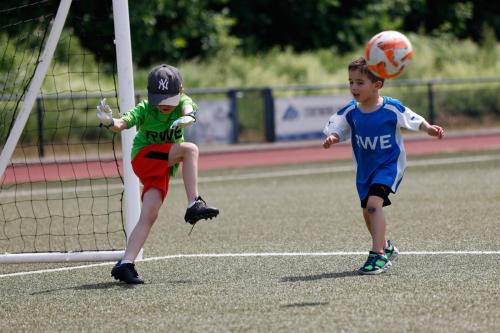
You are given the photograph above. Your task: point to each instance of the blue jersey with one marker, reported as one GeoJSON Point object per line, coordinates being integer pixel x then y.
{"type": "Point", "coordinates": [377, 142]}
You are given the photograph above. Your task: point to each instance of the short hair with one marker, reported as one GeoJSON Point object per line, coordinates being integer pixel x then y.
{"type": "Point", "coordinates": [361, 65]}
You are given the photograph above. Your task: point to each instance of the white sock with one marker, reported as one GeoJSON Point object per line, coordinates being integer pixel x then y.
{"type": "Point", "coordinates": [191, 204]}
{"type": "Point", "coordinates": [126, 262]}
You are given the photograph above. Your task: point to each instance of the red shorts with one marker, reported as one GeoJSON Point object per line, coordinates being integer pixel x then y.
{"type": "Point", "coordinates": [151, 166]}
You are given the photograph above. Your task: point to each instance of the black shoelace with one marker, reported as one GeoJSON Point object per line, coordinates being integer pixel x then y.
{"type": "Point", "coordinates": [190, 231]}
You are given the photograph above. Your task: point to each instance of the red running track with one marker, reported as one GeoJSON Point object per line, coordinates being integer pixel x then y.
{"type": "Point", "coordinates": [316, 153]}
{"type": "Point", "coordinates": [240, 157]}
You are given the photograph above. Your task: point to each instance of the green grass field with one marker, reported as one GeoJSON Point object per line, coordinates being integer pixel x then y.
{"type": "Point", "coordinates": [292, 245]}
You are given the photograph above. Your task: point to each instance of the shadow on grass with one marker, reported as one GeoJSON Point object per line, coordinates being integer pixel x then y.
{"type": "Point", "coordinates": [180, 281]}
{"type": "Point", "coordinates": [319, 276]}
{"type": "Point", "coordinates": [104, 285]}
{"type": "Point", "coordinates": [303, 304]}
{"type": "Point", "coordinates": [93, 286]}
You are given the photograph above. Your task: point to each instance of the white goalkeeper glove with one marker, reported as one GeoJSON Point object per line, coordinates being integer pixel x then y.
{"type": "Point", "coordinates": [105, 114]}
{"type": "Point", "coordinates": [183, 121]}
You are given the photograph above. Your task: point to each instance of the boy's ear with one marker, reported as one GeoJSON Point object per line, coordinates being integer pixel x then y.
{"type": "Point", "coordinates": [379, 84]}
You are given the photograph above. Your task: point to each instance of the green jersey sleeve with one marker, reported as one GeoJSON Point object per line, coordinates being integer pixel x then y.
{"type": "Point", "coordinates": [135, 117]}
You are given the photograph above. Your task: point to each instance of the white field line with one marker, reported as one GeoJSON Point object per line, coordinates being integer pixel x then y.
{"type": "Point", "coordinates": [249, 176]}
{"type": "Point", "coordinates": [253, 255]}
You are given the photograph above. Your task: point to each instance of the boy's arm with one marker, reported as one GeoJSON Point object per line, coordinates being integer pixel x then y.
{"type": "Point", "coordinates": [331, 140]}
{"type": "Point", "coordinates": [187, 110]}
{"type": "Point", "coordinates": [188, 117]}
{"type": "Point", "coordinates": [412, 121]}
{"type": "Point", "coordinates": [119, 125]}
{"type": "Point", "coordinates": [336, 130]}
{"type": "Point", "coordinates": [432, 130]}
{"type": "Point", "coordinates": [105, 115]}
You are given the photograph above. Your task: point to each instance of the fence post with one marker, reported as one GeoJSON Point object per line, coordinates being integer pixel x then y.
{"type": "Point", "coordinates": [232, 94]}
{"type": "Point", "coordinates": [41, 140]}
{"type": "Point", "coordinates": [267, 95]}
{"type": "Point", "coordinates": [430, 97]}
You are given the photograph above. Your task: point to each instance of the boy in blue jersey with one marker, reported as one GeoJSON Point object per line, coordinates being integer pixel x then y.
{"type": "Point", "coordinates": [373, 123]}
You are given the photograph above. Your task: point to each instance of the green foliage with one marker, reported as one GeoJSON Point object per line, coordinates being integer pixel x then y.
{"type": "Point", "coordinates": [309, 25]}
{"type": "Point", "coordinates": [467, 105]}
{"type": "Point", "coordinates": [434, 58]}
{"type": "Point", "coordinates": [8, 59]}
{"type": "Point", "coordinates": [168, 30]}
{"type": "Point", "coordinates": [448, 57]}
{"type": "Point", "coordinates": [175, 30]}
{"type": "Point", "coordinates": [221, 43]}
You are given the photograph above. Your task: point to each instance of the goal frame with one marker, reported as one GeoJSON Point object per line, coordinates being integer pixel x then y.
{"type": "Point", "coordinates": [126, 98]}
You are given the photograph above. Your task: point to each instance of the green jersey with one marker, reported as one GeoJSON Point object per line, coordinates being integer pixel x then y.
{"type": "Point", "coordinates": [153, 127]}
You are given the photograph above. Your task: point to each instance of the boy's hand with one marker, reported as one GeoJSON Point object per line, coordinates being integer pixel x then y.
{"type": "Point", "coordinates": [183, 121]}
{"type": "Point", "coordinates": [105, 114]}
{"type": "Point", "coordinates": [435, 130]}
{"type": "Point", "coordinates": [330, 140]}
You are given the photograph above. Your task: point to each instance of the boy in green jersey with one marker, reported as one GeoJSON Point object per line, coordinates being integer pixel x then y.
{"type": "Point", "coordinates": [157, 150]}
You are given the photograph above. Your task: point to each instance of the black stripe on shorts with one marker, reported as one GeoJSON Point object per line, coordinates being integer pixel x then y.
{"type": "Point", "coordinates": [157, 155]}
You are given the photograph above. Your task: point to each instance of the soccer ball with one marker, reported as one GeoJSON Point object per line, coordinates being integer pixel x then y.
{"type": "Point", "coordinates": [388, 53]}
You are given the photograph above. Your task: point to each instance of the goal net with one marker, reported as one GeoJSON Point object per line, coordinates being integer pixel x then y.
{"type": "Point", "coordinates": [65, 194]}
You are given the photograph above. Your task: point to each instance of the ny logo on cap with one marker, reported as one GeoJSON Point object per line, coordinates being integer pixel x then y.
{"type": "Point", "coordinates": [162, 84]}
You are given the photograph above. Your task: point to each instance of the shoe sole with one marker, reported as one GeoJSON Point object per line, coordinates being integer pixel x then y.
{"type": "Point", "coordinates": [127, 282]}
{"type": "Point", "coordinates": [203, 217]}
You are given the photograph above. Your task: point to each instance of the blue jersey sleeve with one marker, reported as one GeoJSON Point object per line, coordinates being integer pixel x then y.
{"type": "Point", "coordinates": [338, 124]}
{"type": "Point", "coordinates": [406, 117]}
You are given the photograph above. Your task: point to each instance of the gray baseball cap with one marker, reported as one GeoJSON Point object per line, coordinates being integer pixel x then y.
{"type": "Point", "coordinates": [164, 85]}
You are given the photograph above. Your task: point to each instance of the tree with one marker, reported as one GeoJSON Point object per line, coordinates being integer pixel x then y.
{"type": "Point", "coordinates": [307, 25]}
{"type": "Point", "coordinates": [172, 30]}
{"type": "Point", "coordinates": [161, 30]}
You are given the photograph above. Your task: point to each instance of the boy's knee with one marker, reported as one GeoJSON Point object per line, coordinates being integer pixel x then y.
{"type": "Point", "coordinates": [374, 204]}
{"type": "Point", "coordinates": [181, 151]}
{"type": "Point", "coordinates": [189, 148]}
{"type": "Point", "coordinates": [194, 148]}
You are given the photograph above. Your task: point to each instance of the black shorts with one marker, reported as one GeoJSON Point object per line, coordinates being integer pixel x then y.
{"type": "Point", "coordinates": [378, 190]}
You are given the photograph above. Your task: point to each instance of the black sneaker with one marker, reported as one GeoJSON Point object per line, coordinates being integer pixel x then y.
{"type": "Point", "coordinates": [126, 273]}
{"type": "Point", "coordinates": [199, 211]}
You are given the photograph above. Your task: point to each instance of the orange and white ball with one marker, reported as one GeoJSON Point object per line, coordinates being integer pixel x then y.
{"type": "Point", "coordinates": [388, 53]}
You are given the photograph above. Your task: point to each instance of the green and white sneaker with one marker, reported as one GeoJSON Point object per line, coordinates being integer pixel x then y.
{"type": "Point", "coordinates": [391, 252]}
{"type": "Point", "coordinates": [375, 264]}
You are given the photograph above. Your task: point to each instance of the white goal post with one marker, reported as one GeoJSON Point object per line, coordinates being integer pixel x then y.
{"type": "Point", "coordinates": [126, 97]}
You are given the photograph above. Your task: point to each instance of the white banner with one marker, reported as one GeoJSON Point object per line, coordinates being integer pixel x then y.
{"type": "Point", "coordinates": [304, 117]}
{"type": "Point", "coordinates": [213, 123]}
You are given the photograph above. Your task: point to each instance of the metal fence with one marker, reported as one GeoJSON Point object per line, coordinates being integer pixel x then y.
{"type": "Point", "coordinates": [252, 111]}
